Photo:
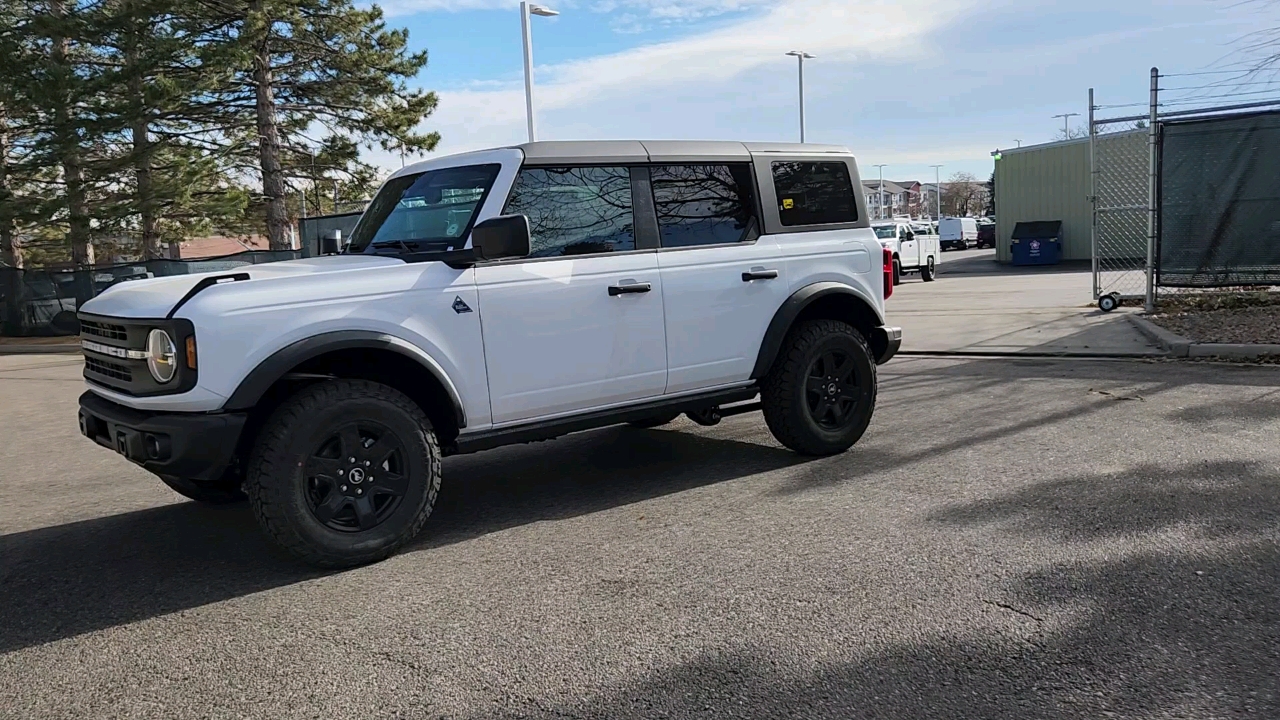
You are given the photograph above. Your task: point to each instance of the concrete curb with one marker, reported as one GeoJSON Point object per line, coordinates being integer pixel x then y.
{"type": "Point", "coordinates": [39, 349]}
{"type": "Point", "coordinates": [1176, 345]}
{"type": "Point", "coordinates": [1181, 347]}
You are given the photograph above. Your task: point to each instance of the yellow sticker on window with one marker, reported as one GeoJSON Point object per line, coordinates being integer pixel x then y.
{"type": "Point", "coordinates": [788, 203]}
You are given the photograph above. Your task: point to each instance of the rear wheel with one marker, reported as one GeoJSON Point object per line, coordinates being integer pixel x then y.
{"type": "Point", "coordinates": [927, 272]}
{"type": "Point", "coordinates": [819, 396]}
{"type": "Point", "coordinates": [345, 472]}
{"type": "Point", "coordinates": [223, 491]}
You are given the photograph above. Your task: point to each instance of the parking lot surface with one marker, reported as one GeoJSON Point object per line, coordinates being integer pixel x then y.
{"type": "Point", "coordinates": [977, 306]}
{"type": "Point", "coordinates": [1013, 538]}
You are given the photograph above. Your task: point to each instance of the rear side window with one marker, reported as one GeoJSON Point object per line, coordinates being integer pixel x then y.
{"type": "Point", "coordinates": [575, 210]}
{"type": "Point", "coordinates": [814, 193]}
{"type": "Point", "coordinates": [704, 204]}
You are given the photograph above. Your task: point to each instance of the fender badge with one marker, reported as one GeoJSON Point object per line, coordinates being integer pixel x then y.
{"type": "Point", "coordinates": [459, 306]}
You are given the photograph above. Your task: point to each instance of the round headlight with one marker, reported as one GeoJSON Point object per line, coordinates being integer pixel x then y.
{"type": "Point", "coordinates": [162, 356]}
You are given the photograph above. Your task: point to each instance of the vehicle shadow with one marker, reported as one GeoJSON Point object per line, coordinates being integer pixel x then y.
{"type": "Point", "coordinates": [62, 581]}
{"type": "Point", "coordinates": [1149, 629]}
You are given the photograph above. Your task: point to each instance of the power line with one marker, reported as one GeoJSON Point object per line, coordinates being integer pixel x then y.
{"type": "Point", "coordinates": [1206, 72]}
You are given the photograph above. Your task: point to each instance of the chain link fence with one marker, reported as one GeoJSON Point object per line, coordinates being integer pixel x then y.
{"type": "Point", "coordinates": [1121, 207]}
{"type": "Point", "coordinates": [44, 302]}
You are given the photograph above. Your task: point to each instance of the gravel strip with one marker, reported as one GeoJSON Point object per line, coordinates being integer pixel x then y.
{"type": "Point", "coordinates": [1243, 325]}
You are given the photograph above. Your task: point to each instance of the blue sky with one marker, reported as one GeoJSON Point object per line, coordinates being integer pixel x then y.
{"type": "Point", "coordinates": [909, 83]}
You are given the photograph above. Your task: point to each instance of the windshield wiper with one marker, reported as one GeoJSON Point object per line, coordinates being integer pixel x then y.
{"type": "Point", "coordinates": [394, 243]}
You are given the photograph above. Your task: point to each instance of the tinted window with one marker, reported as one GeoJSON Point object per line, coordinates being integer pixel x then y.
{"type": "Point", "coordinates": [704, 204]}
{"type": "Point", "coordinates": [575, 211]}
{"type": "Point", "coordinates": [433, 210]}
{"type": "Point", "coordinates": [814, 193]}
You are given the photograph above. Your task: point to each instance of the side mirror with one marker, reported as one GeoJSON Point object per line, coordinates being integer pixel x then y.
{"type": "Point", "coordinates": [505, 236]}
{"type": "Point", "coordinates": [331, 243]}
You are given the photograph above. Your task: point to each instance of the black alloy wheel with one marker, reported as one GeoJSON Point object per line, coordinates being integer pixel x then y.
{"type": "Point", "coordinates": [356, 477]}
{"type": "Point", "coordinates": [831, 389]}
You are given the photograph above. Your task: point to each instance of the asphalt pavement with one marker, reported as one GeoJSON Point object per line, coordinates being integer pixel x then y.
{"type": "Point", "coordinates": [1013, 538]}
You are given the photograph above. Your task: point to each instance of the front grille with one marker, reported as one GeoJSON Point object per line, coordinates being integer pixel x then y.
{"type": "Point", "coordinates": [107, 368]}
{"type": "Point", "coordinates": [103, 330]}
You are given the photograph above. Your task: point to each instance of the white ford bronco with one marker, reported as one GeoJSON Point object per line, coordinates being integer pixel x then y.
{"type": "Point", "coordinates": [499, 297]}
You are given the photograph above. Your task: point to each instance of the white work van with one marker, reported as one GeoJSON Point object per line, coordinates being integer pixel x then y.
{"type": "Point", "coordinates": [957, 233]}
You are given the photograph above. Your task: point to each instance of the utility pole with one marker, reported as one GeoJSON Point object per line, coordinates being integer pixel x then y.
{"type": "Point", "coordinates": [937, 189]}
{"type": "Point", "coordinates": [881, 167]}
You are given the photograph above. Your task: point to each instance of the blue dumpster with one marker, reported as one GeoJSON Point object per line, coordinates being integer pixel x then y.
{"type": "Point", "coordinates": [1036, 243]}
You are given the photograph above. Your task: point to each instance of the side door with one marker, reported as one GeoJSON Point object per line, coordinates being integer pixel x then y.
{"type": "Point", "coordinates": [578, 324]}
{"type": "Point", "coordinates": [910, 247]}
{"type": "Point", "coordinates": [722, 281]}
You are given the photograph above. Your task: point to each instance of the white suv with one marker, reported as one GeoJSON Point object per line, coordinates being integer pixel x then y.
{"type": "Point", "coordinates": [500, 297]}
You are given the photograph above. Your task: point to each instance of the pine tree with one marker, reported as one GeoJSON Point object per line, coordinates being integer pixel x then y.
{"type": "Point", "coordinates": [308, 67]}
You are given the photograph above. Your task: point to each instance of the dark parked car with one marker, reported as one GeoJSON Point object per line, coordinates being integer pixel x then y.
{"type": "Point", "coordinates": [986, 235]}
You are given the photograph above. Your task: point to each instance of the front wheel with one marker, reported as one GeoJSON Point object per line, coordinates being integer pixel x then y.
{"type": "Point", "coordinates": [819, 396]}
{"type": "Point", "coordinates": [927, 272]}
{"type": "Point", "coordinates": [345, 472]}
{"type": "Point", "coordinates": [897, 274]}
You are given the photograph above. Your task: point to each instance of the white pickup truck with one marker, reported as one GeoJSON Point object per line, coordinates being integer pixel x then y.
{"type": "Point", "coordinates": [911, 252]}
{"type": "Point", "coordinates": [498, 297]}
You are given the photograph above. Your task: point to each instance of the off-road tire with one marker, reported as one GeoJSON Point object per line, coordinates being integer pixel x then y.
{"type": "Point", "coordinates": [928, 272]}
{"type": "Point", "coordinates": [655, 421]}
{"type": "Point", "coordinates": [223, 491]}
{"type": "Point", "coordinates": [277, 485]}
{"type": "Point", "coordinates": [784, 394]}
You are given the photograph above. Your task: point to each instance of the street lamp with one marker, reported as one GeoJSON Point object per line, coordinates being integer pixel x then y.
{"type": "Point", "coordinates": [525, 11]}
{"type": "Point", "coordinates": [1066, 124]}
{"type": "Point", "coordinates": [800, 57]}
{"type": "Point", "coordinates": [937, 188]}
{"type": "Point", "coordinates": [881, 168]}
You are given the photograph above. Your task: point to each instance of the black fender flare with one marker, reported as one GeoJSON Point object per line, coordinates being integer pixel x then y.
{"type": "Point", "coordinates": [276, 365]}
{"type": "Point", "coordinates": [791, 308]}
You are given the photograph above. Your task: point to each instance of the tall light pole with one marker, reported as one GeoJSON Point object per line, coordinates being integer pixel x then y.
{"type": "Point", "coordinates": [1066, 124]}
{"type": "Point", "coordinates": [800, 57]}
{"type": "Point", "coordinates": [937, 189]}
{"type": "Point", "coordinates": [1019, 142]}
{"type": "Point", "coordinates": [525, 11]}
{"type": "Point", "coordinates": [881, 168]}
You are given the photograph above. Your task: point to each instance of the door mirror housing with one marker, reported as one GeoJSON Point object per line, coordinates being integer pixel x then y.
{"type": "Point", "coordinates": [504, 236]}
{"type": "Point", "coordinates": [331, 243]}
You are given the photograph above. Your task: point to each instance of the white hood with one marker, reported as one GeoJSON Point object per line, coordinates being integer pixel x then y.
{"type": "Point", "coordinates": [155, 297]}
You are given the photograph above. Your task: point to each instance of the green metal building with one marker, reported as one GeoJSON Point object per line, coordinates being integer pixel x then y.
{"type": "Point", "coordinates": [1045, 182]}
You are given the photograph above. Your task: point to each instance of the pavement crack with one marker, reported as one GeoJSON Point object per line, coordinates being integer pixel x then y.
{"type": "Point", "coordinates": [1010, 608]}
{"type": "Point", "coordinates": [1114, 396]}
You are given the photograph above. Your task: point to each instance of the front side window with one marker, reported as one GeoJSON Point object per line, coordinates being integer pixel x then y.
{"type": "Point", "coordinates": [704, 204]}
{"type": "Point", "coordinates": [814, 193]}
{"type": "Point", "coordinates": [886, 232]}
{"type": "Point", "coordinates": [424, 212]}
{"type": "Point", "coordinates": [575, 210]}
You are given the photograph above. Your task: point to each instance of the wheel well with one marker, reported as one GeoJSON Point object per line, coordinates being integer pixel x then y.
{"type": "Point", "coordinates": [844, 307]}
{"type": "Point", "coordinates": [377, 365]}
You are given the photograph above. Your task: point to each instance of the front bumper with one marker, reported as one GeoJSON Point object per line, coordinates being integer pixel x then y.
{"type": "Point", "coordinates": [196, 446]}
{"type": "Point", "coordinates": [885, 342]}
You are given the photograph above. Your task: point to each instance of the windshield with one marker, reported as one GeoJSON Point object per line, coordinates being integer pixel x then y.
{"type": "Point", "coordinates": [886, 232]}
{"type": "Point", "coordinates": [424, 212]}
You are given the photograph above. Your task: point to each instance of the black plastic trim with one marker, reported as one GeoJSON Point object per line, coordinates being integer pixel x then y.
{"type": "Point", "coordinates": [548, 429]}
{"type": "Point", "coordinates": [194, 446]}
{"type": "Point", "coordinates": [786, 316]}
{"type": "Point", "coordinates": [644, 212]}
{"type": "Point", "coordinates": [261, 378]}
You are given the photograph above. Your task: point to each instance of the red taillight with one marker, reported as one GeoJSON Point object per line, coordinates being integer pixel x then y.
{"type": "Point", "coordinates": [888, 273]}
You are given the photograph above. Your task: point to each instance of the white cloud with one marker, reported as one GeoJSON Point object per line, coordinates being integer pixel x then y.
{"type": "Point", "coordinates": [595, 89]}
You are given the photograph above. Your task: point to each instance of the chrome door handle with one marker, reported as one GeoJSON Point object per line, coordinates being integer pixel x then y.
{"type": "Point", "coordinates": [627, 287]}
{"type": "Point", "coordinates": [760, 274]}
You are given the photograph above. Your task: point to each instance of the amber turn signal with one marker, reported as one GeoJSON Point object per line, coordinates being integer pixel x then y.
{"type": "Point", "coordinates": [191, 352]}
